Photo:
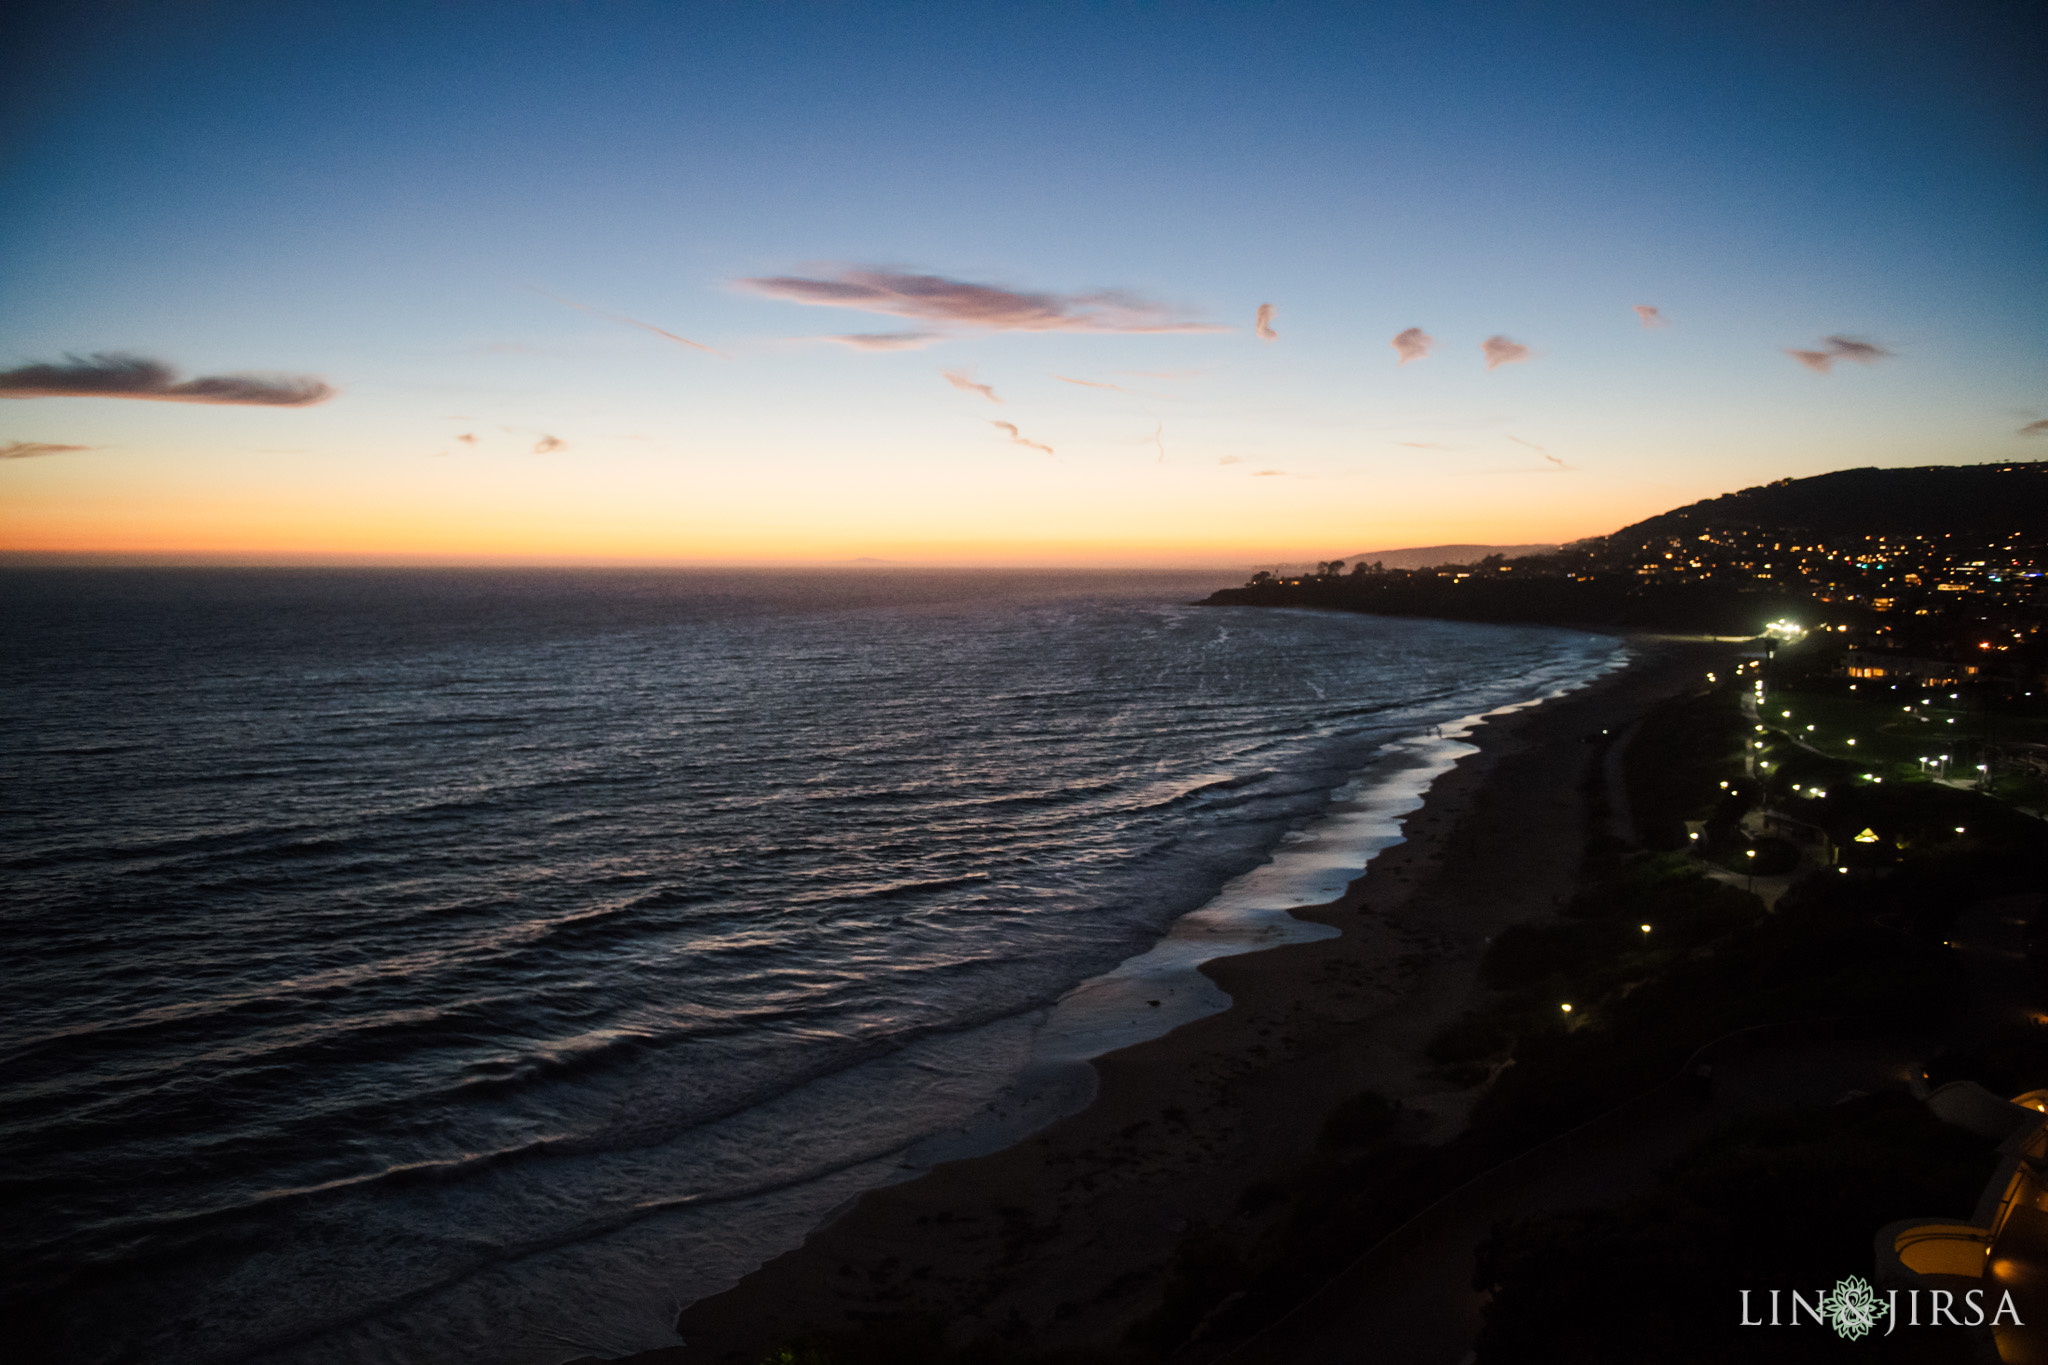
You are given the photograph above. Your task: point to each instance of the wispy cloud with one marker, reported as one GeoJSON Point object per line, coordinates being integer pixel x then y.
{"type": "Point", "coordinates": [2039, 428]}
{"type": "Point", "coordinates": [1159, 437]}
{"type": "Point", "coordinates": [1423, 445]}
{"type": "Point", "coordinates": [883, 341]}
{"type": "Point", "coordinates": [1540, 451]}
{"type": "Point", "coordinates": [1264, 323]}
{"type": "Point", "coordinates": [1412, 344]}
{"type": "Point", "coordinates": [113, 375]}
{"type": "Point", "coordinates": [935, 298]}
{"type": "Point", "coordinates": [1839, 348]}
{"type": "Point", "coordinates": [964, 381]}
{"type": "Point", "coordinates": [1502, 350]}
{"type": "Point", "coordinates": [468, 438]}
{"type": "Point", "coordinates": [549, 443]}
{"type": "Point", "coordinates": [1270, 474]}
{"type": "Point", "coordinates": [29, 450]}
{"type": "Point", "coordinates": [1090, 384]}
{"type": "Point", "coordinates": [1231, 459]}
{"type": "Point", "coordinates": [622, 319]}
{"type": "Point", "coordinates": [1018, 437]}
{"type": "Point", "coordinates": [1650, 316]}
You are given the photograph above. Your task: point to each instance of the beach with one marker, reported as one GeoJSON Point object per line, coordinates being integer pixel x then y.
{"type": "Point", "coordinates": [1067, 1238]}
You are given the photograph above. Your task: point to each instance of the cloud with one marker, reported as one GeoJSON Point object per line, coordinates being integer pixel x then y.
{"type": "Point", "coordinates": [1158, 438]}
{"type": "Point", "coordinates": [631, 322]}
{"type": "Point", "coordinates": [29, 450]}
{"type": "Point", "coordinates": [934, 298]}
{"type": "Point", "coordinates": [1839, 348]}
{"type": "Point", "coordinates": [1264, 323]}
{"type": "Point", "coordinates": [1540, 451]}
{"type": "Point", "coordinates": [964, 381]}
{"type": "Point", "coordinates": [1862, 352]}
{"type": "Point", "coordinates": [1090, 384]}
{"type": "Point", "coordinates": [1412, 344]}
{"type": "Point", "coordinates": [468, 438]}
{"type": "Point", "coordinates": [2039, 428]}
{"type": "Point", "coordinates": [1018, 437]}
{"type": "Point", "coordinates": [1650, 316]}
{"type": "Point", "coordinates": [549, 443]}
{"type": "Point", "coordinates": [1270, 474]}
{"type": "Point", "coordinates": [1423, 445]}
{"type": "Point", "coordinates": [113, 375]}
{"type": "Point", "coordinates": [1231, 459]}
{"type": "Point", "coordinates": [1502, 350]}
{"type": "Point", "coordinates": [884, 341]}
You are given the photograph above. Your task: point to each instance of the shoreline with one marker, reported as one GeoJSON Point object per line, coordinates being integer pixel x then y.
{"type": "Point", "coordinates": [1066, 1237]}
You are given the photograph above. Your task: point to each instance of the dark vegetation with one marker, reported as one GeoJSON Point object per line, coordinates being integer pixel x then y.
{"type": "Point", "coordinates": [1789, 1199]}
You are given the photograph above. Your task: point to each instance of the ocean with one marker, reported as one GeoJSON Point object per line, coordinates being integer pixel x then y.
{"type": "Point", "coordinates": [479, 965]}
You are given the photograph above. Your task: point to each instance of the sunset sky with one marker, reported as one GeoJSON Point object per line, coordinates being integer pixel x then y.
{"type": "Point", "coordinates": [982, 284]}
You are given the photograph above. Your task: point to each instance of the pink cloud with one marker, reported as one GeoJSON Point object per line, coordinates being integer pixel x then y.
{"type": "Point", "coordinates": [884, 341]}
{"type": "Point", "coordinates": [112, 375]}
{"type": "Point", "coordinates": [964, 381]}
{"type": "Point", "coordinates": [29, 450]}
{"type": "Point", "coordinates": [633, 322]}
{"type": "Point", "coordinates": [549, 443]}
{"type": "Point", "coordinates": [1540, 451]}
{"type": "Point", "coordinates": [1017, 437]}
{"type": "Point", "coordinates": [1264, 323]}
{"type": "Point", "coordinates": [1502, 350]}
{"type": "Point", "coordinates": [1839, 348]}
{"type": "Point", "coordinates": [1412, 344]}
{"type": "Point", "coordinates": [1650, 316]}
{"type": "Point", "coordinates": [1090, 384]}
{"type": "Point", "coordinates": [934, 298]}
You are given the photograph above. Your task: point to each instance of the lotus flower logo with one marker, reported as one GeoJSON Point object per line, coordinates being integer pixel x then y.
{"type": "Point", "coordinates": [1852, 1308]}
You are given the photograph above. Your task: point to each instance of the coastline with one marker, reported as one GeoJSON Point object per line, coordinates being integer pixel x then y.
{"type": "Point", "coordinates": [1067, 1237]}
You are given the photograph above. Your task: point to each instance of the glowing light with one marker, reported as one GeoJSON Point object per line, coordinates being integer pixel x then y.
{"type": "Point", "coordinates": [1566, 1008]}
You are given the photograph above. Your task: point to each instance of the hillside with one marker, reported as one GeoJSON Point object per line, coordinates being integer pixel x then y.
{"type": "Point", "coordinates": [1433, 556]}
{"type": "Point", "coordinates": [1927, 500]}
{"type": "Point", "coordinates": [1907, 557]}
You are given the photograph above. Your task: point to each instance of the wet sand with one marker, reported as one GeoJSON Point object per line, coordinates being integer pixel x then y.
{"type": "Point", "coordinates": [1065, 1238]}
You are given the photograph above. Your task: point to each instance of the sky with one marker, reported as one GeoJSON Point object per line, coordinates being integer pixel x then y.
{"type": "Point", "coordinates": [1080, 284]}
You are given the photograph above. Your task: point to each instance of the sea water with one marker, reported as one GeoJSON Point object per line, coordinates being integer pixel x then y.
{"type": "Point", "coordinates": [461, 965]}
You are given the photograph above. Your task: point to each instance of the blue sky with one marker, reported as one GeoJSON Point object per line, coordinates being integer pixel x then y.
{"type": "Point", "coordinates": [394, 199]}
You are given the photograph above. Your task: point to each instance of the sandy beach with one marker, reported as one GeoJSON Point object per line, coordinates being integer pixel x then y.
{"type": "Point", "coordinates": [1067, 1238]}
